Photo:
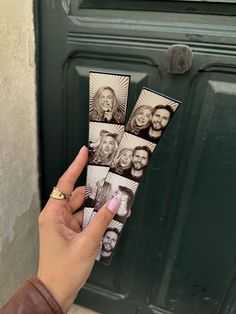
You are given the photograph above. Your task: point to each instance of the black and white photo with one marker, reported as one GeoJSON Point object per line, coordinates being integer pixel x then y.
{"type": "Point", "coordinates": [140, 159]}
{"type": "Point", "coordinates": [125, 196]}
{"type": "Point", "coordinates": [151, 115]}
{"type": "Point", "coordinates": [122, 160]}
{"type": "Point", "coordinates": [123, 190]}
{"type": "Point", "coordinates": [141, 153]}
{"type": "Point", "coordinates": [95, 188]}
{"type": "Point", "coordinates": [108, 94]}
{"type": "Point", "coordinates": [140, 119]}
{"type": "Point", "coordinates": [104, 140]}
{"type": "Point", "coordinates": [108, 244]}
{"type": "Point", "coordinates": [86, 216]}
{"type": "Point", "coordinates": [109, 241]}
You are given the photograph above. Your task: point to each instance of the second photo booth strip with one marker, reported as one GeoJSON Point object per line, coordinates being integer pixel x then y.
{"type": "Point", "coordinates": [147, 123]}
{"type": "Point", "coordinates": [108, 97]}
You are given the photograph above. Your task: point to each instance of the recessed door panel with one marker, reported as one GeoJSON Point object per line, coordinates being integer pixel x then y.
{"type": "Point", "coordinates": [201, 253]}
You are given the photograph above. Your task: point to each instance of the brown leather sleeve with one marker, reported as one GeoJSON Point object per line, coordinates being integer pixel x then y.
{"type": "Point", "coordinates": [32, 298]}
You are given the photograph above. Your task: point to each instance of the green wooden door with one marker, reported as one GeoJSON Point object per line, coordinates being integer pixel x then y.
{"type": "Point", "coordinates": [177, 253]}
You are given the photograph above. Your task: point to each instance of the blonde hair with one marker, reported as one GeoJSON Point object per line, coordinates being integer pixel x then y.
{"type": "Point", "coordinates": [103, 193]}
{"type": "Point", "coordinates": [97, 157]}
{"type": "Point", "coordinates": [97, 113]}
{"type": "Point", "coordinates": [116, 164]}
{"type": "Point", "coordinates": [132, 127]}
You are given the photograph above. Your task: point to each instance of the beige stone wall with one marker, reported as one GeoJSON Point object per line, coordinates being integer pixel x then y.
{"type": "Point", "coordinates": [19, 198]}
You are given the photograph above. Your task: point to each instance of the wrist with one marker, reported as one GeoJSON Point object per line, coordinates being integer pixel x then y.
{"type": "Point", "coordinates": [58, 290]}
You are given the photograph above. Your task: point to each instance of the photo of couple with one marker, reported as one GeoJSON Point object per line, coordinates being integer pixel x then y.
{"type": "Point", "coordinates": [133, 157]}
{"type": "Point", "coordinates": [106, 188]}
{"type": "Point", "coordinates": [131, 163]}
{"type": "Point", "coordinates": [151, 116]}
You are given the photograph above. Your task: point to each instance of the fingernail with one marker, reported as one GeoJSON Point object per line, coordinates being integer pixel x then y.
{"type": "Point", "coordinates": [113, 205]}
{"type": "Point", "coordinates": [82, 148]}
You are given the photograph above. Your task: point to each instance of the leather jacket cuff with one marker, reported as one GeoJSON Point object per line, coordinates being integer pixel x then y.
{"type": "Point", "coordinates": [32, 297]}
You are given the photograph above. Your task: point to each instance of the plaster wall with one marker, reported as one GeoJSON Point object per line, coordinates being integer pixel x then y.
{"type": "Point", "coordinates": [19, 196]}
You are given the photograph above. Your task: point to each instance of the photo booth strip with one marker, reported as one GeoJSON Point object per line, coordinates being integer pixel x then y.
{"type": "Point", "coordinates": [108, 242]}
{"type": "Point", "coordinates": [96, 176]}
{"type": "Point", "coordinates": [124, 190]}
{"type": "Point", "coordinates": [87, 215]}
{"type": "Point", "coordinates": [144, 129]}
{"type": "Point", "coordinates": [108, 97]}
{"type": "Point", "coordinates": [104, 140]}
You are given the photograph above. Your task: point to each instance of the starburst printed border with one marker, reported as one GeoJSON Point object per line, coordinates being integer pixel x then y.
{"type": "Point", "coordinates": [119, 83]}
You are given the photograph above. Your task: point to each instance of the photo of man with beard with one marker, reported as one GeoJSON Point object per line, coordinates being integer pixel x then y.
{"type": "Point", "coordinates": [108, 244]}
{"type": "Point", "coordinates": [140, 159]}
{"type": "Point", "coordinates": [161, 116]}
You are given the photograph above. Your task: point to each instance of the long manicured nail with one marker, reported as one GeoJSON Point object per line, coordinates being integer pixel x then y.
{"type": "Point", "coordinates": [113, 205]}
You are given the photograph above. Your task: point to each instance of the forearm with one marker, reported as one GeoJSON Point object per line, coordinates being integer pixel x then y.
{"type": "Point", "coordinates": [32, 297]}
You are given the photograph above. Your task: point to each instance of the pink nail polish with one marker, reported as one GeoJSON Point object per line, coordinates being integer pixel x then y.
{"type": "Point", "coordinates": [113, 205]}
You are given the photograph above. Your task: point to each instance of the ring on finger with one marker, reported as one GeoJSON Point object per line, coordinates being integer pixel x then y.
{"type": "Point", "coordinates": [59, 195]}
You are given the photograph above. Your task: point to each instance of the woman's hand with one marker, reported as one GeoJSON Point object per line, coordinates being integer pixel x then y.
{"type": "Point", "coordinates": [108, 115]}
{"type": "Point", "coordinates": [67, 254]}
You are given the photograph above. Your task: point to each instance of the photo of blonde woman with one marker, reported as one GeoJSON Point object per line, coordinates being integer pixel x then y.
{"type": "Point", "coordinates": [106, 107]}
{"type": "Point", "coordinates": [102, 152]}
{"type": "Point", "coordinates": [122, 160]}
{"type": "Point", "coordinates": [139, 120]}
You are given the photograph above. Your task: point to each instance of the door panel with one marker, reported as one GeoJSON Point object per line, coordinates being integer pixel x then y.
{"type": "Point", "coordinates": [201, 252]}
{"type": "Point", "coordinates": [176, 254]}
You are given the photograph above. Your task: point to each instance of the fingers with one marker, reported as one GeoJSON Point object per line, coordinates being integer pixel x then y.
{"type": "Point", "coordinates": [98, 225]}
{"type": "Point", "coordinates": [76, 199]}
{"type": "Point", "coordinates": [68, 179]}
{"type": "Point", "coordinates": [76, 222]}
{"type": "Point", "coordinates": [79, 217]}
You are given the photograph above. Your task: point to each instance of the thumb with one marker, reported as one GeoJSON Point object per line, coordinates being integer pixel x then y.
{"type": "Point", "coordinates": [98, 225]}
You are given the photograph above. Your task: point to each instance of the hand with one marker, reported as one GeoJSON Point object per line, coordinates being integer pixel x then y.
{"type": "Point", "coordinates": [108, 115]}
{"type": "Point", "coordinates": [67, 254]}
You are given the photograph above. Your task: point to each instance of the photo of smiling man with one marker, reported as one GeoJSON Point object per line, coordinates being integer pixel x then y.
{"type": "Point", "coordinates": [108, 244]}
{"type": "Point", "coordinates": [160, 117]}
{"type": "Point", "coordinates": [140, 151]}
{"type": "Point", "coordinates": [140, 159]}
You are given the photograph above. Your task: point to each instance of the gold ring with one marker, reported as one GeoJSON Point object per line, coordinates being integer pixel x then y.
{"type": "Point", "coordinates": [59, 195]}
